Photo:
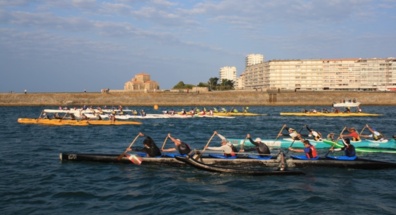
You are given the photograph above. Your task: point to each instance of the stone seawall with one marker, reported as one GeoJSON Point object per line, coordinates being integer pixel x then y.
{"type": "Point", "coordinates": [228, 98]}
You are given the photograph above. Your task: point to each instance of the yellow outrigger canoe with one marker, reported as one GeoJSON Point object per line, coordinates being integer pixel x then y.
{"type": "Point", "coordinates": [321, 114]}
{"type": "Point", "coordinates": [60, 122]}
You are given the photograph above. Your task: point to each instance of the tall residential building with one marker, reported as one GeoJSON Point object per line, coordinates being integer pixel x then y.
{"type": "Point", "coordinates": [253, 59]}
{"type": "Point", "coordinates": [323, 74]}
{"type": "Point", "coordinates": [229, 73]}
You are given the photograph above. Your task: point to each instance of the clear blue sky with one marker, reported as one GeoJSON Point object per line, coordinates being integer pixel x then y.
{"type": "Point", "coordinates": [69, 46]}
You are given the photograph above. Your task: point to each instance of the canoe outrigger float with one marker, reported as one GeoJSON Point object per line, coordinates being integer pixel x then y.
{"type": "Point", "coordinates": [231, 164]}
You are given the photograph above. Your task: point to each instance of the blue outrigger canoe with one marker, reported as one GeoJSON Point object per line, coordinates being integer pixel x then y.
{"type": "Point", "coordinates": [379, 146]}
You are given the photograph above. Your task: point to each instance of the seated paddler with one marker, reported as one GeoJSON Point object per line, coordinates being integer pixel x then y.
{"type": "Point", "coordinates": [309, 150]}
{"type": "Point", "coordinates": [149, 147]}
{"type": "Point", "coordinates": [226, 146]}
{"type": "Point", "coordinates": [292, 133]}
{"type": "Point", "coordinates": [180, 146]}
{"type": "Point", "coordinates": [262, 148]}
{"type": "Point", "coordinates": [317, 136]}
{"type": "Point", "coordinates": [348, 148]}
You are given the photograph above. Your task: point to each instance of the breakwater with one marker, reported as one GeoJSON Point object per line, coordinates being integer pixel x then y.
{"type": "Point", "coordinates": [223, 98]}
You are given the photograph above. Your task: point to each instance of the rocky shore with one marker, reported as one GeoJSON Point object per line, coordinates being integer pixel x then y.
{"type": "Point", "coordinates": [223, 98]}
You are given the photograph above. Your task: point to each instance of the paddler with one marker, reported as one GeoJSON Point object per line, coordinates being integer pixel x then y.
{"type": "Point", "coordinates": [309, 150]}
{"type": "Point", "coordinates": [317, 136]}
{"type": "Point", "coordinates": [375, 135]}
{"type": "Point", "coordinates": [352, 134]}
{"type": "Point", "coordinates": [292, 133]}
{"type": "Point", "coordinates": [348, 148]}
{"type": "Point", "coordinates": [180, 146]}
{"type": "Point", "coordinates": [226, 146]}
{"type": "Point", "coordinates": [149, 147]}
{"type": "Point", "coordinates": [262, 148]}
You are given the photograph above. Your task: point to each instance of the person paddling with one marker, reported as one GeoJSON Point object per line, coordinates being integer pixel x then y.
{"type": "Point", "coordinates": [292, 133]}
{"type": "Point", "coordinates": [317, 136]}
{"type": "Point", "coordinates": [309, 150]}
{"type": "Point", "coordinates": [262, 148]}
{"type": "Point", "coordinates": [375, 135]}
{"type": "Point", "coordinates": [352, 134]}
{"type": "Point", "coordinates": [226, 147]}
{"type": "Point", "coordinates": [180, 146]}
{"type": "Point", "coordinates": [150, 148]}
{"type": "Point", "coordinates": [348, 148]}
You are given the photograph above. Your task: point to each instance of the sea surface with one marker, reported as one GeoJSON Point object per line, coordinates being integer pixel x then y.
{"type": "Point", "coordinates": [34, 181]}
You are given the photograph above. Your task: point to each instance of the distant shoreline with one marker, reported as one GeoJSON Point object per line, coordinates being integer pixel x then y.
{"type": "Point", "coordinates": [221, 98]}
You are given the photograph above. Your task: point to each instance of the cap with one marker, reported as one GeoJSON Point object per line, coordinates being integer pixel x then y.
{"type": "Point", "coordinates": [178, 140]}
{"type": "Point", "coordinates": [257, 140]}
{"type": "Point", "coordinates": [291, 129]}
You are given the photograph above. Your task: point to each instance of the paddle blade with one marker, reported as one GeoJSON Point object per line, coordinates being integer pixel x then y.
{"type": "Point", "coordinates": [135, 159]}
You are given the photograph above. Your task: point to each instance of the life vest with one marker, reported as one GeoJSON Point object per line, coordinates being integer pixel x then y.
{"type": "Point", "coordinates": [312, 153]}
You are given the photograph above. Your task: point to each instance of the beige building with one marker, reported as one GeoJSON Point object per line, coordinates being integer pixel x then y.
{"type": "Point", "coordinates": [141, 81]}
{"type": "Point", "coordinates": [229, 73]}
{"type": "Point", "coordinates": [323, 74]}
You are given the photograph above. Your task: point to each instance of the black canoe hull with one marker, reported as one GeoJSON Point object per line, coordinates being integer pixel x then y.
{"type": "Point", "coordinates": [238, 162]}
{"type": "Point", "coordinates": [239, 171]}
{"type": "Point", "coordinates": [359, 163]}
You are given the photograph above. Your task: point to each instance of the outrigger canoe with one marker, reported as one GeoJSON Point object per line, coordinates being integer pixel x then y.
{"type": "Point", "coordinates": [322, 114]}
{"type": "Point", "coordinates": [60, 122]}
{"type": "Point", "coordinates": [275, 162]}
{"type": "Point", "coordinates": [369, 147]}
{"type": "Point", "coordinates": [155, 116]}
{"type": "Point", "coordinates": [385, 145]}
{"type": "Point", "coordinates": [42, 121]}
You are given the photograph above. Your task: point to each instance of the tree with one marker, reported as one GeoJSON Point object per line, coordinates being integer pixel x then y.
{"type": "Point", "coordinates": [213, 83]}
{"type": "Point", "coordinates": [227, 84]}
{"type": "Point", "coordinates": [202, 84]}
{"type": "Point", "coordinates": [181, 85]}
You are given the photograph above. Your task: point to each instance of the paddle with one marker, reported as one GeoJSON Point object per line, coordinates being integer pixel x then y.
{"type": "Point", "coordinates": [242, 145]}
{"type": "Point", "coordinates": [207, 144]}
{"type": "Point", "coordinates": [279, 134]}
{"type": "Point", "coordinates": [366, 126]}
{"type": "Point", "coordinates": [163, 145]}
{"type": "Point", "coordinates": [130, 145]}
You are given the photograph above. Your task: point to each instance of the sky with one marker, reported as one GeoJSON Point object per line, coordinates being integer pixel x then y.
{"type": "Point", "coordinates": [77, 45]}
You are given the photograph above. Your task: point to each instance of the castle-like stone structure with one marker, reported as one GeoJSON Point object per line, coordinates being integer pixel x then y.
{"type": "Point", "coordinates": [141, 81]}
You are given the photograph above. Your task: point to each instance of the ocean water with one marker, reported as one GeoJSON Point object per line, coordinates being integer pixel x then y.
{"type": "Point", "coordinates": [34, 181]}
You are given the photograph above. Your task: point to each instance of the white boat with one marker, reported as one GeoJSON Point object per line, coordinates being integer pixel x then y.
{"type": "Point", "coordinates": [347, 103]}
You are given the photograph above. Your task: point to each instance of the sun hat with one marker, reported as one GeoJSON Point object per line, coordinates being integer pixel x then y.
{"type": "Point", "coordinates": [257, 140]}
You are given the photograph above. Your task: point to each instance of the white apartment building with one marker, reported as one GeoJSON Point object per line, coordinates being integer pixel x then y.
{"type": "Point", "coordinates": [253, 59]}
{"type": "Point", "coordinates": [323, 74]}
{"type": "Point", "coordinates": [229, 73]}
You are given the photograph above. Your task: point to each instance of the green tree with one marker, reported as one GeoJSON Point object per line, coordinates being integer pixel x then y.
{"type": "Point", "coordinates": [181, 85]}
{"type": "Point", "coordinates": [226, 84]}
{"type": "Point", "coordinates": [213, 83]}
{"type": "Point", "coordinates": [202, 84]}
